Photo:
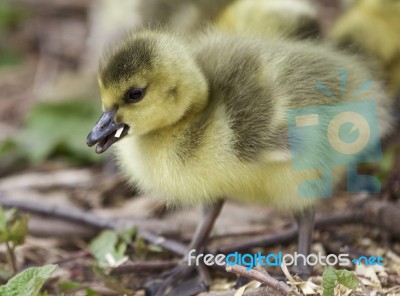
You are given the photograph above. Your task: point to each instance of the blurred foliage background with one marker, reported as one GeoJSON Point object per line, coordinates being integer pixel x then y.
{"type": "Point", "coordinates": [48, 90]}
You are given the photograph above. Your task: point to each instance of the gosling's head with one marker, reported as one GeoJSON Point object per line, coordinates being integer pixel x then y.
{"type": "Point", "coordinates": [148, 82]}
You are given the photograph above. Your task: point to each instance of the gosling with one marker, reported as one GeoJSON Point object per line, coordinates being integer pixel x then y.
{"type": "Point", "coordinates": [200, 121]}
{"type": "Point", "coordinates": [184, 16]}
{"type": "Point", "coordinates": [289, 19]}
{"type": "Point", "coordinates": [372, 28]}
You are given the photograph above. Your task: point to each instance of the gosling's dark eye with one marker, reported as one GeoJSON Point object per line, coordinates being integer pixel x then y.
{"type": "Point", "coordinates": [135, 95]}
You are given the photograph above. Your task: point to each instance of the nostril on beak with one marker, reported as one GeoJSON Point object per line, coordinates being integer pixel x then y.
{"type": "Point", "coordinates": [104, 126]}
{"type": "Point", "coordinates": [106, 119]}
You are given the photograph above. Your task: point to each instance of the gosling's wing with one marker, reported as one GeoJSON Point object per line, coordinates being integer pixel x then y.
{"type": "Point", "coordinates": [257, 83]}
{"type": "Point", "coordinates": [234, 69]}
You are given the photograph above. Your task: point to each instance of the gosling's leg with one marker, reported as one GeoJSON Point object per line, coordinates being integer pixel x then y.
{"type": "Point", "coordinates": [177, 282]}
{"type": "Point", "coordinates": [305, 221]}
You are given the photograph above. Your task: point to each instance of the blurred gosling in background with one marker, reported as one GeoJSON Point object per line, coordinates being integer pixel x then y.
{"type": "Point", "coordinates": [292, 19]}
{"type": "Point", "coordinates": [372, 28]}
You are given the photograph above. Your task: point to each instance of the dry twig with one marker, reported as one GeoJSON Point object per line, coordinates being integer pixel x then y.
{"type": "Point", "coordinates": [263, 278]}
{"type": "Point", "coordinates": [143, 267]}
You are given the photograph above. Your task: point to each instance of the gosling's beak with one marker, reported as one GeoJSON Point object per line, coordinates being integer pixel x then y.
{"type": "Point", "coordinates": [106, 132]}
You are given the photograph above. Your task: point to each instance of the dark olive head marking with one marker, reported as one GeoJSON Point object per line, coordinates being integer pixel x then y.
{"type": "Point", "coordinates": [133, 56]}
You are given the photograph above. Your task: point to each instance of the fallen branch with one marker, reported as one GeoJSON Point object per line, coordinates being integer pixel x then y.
{"type": "Point", "coordinates": [284, 236]}
{"type": "Point", "coordinates": [59, 212]}
{"type": "Point", "coordinates": [263, 278]}
{"type": "Point", "coordinates": [374, 213]}
{"type": "Point", "coordinates": [73, 257]}
{"type": "Point", "coordinates": [71, 178]}
{"type": "Point", "coordinates": [251, 292]}
{"type": "Point", "coordinates": [87, 219]}
{"type": "Point", "coordinates": [143, 267]}
{"type": "Point", "coordinates": [57, 5]}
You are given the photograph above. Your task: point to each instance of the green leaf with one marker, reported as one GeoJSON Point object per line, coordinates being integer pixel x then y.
{"type": "Point", "coordinates": [19, 230]}
{"type": "Point", "coordinates": [90, 292]}
{"type": "Point", "coordinates": [56, 130]}
{"type": "Point", "coordinates": [9, 58]}
{"type": "Point", "coordinates": [103, 244]}
{"type": "Point", "coordinates": [13, 158]}
{"type": "Point", "coordinates": [11, 14]}
{"type": "Point", "coordinates": [141, 248]}
{"type": "Point", "coordinates": [3, 221]}
{"type": "Point", "coordinates": [127, 234]}
{"type": "Point", "coordinates": [29, 282]}
{"type": "Point", "coordinates": [332, 277]}
{"type": "Point", "coordinates": [69, 286]}
{"type": "Point", "coordinates": [5, 273]}
{"type": "Point", "coordinates": [120, 251]}
{"type": "Point", "coordinates": [329, 279]}
{"type": "Point", "coordinates": [155, 249]}
{"type": "Point", "coordinates": [108, 248]}
{"type": "Point", "coordinates": [347, 279]}
{"type": "Point", "coordinates": [6, 217]}
{"type": "Point", "coordinates": [9, 214]}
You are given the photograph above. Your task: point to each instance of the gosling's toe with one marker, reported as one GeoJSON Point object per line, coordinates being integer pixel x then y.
{"type": "Point", "coordinates": [183, 280]}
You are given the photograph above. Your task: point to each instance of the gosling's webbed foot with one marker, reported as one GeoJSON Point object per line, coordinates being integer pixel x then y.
{"type": "Point", "coordinates": [183, 280]}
